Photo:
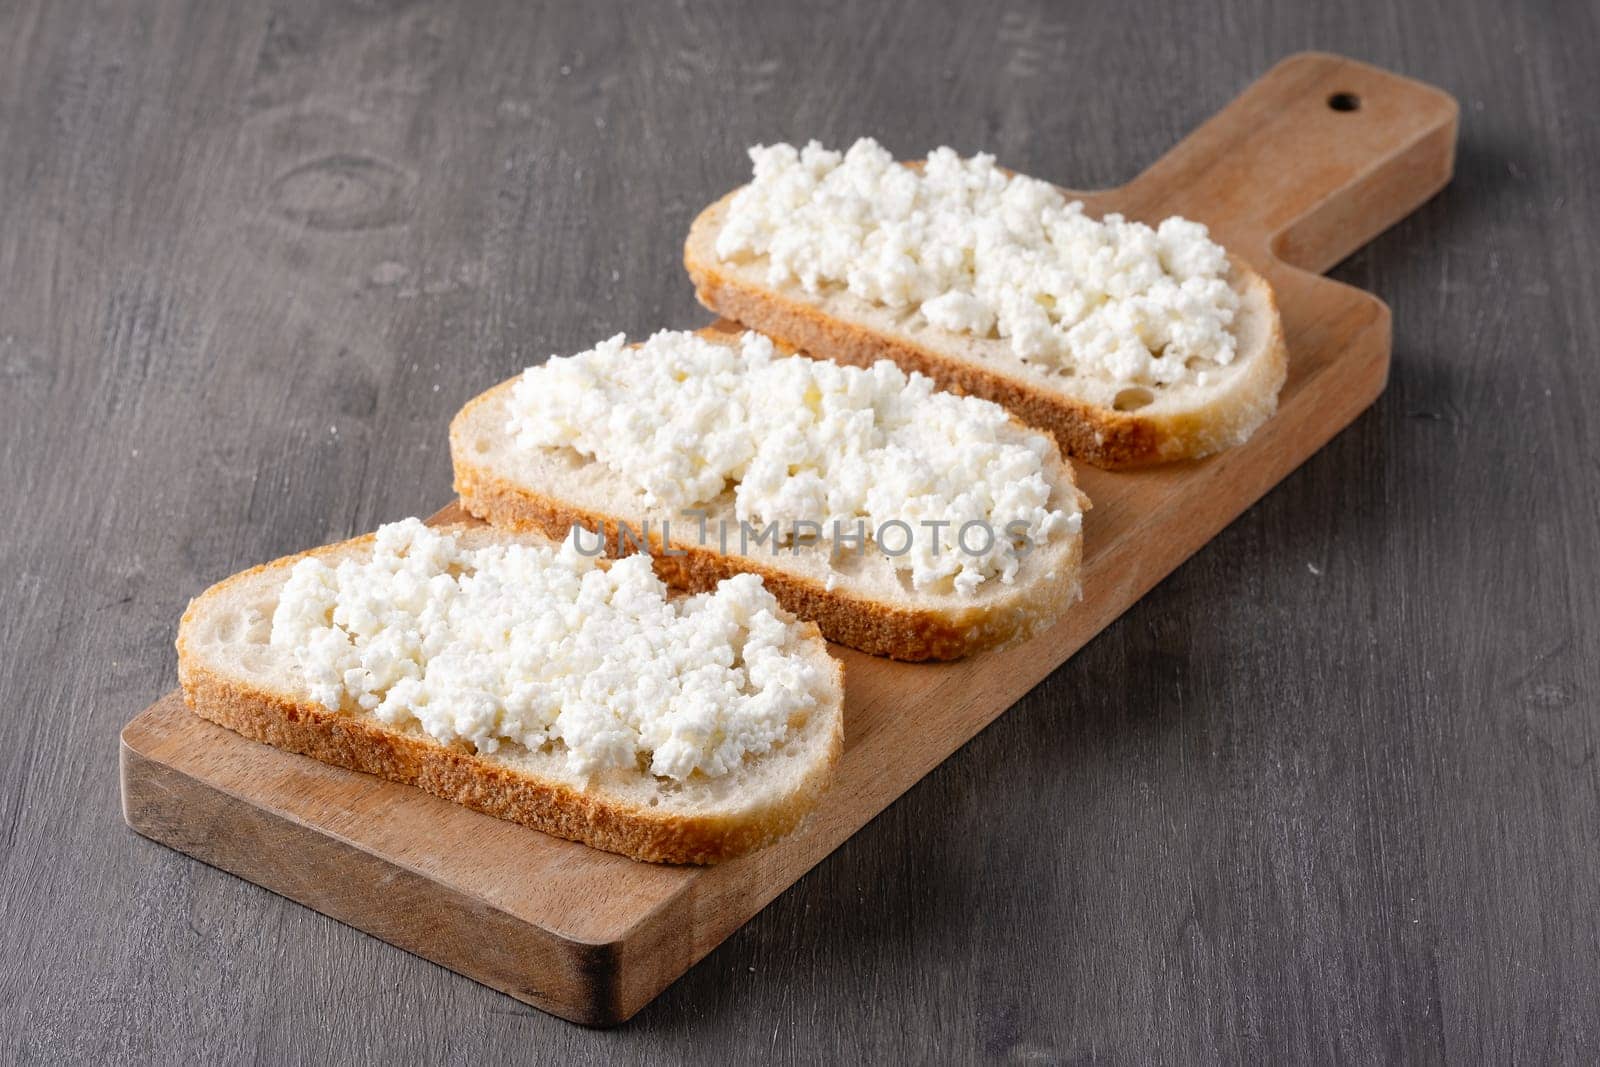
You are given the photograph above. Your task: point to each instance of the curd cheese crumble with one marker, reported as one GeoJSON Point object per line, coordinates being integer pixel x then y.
{"type": "Point", "coordinates": [528, 645]}
{"type": "Point", "coordinates": [988, 254]}
{"type": "Point", "coordinates": [801, 440]}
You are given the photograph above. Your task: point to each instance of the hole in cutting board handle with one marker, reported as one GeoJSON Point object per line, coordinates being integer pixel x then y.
{"type": "Point", "coordinates": [1344, 102]}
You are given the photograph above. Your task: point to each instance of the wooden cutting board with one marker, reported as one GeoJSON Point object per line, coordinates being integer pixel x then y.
{"type": "Point", "coordinates": [1307, 165]}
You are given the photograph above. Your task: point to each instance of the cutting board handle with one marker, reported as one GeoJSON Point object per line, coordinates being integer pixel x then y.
{"type": "Point", "coordinates": [1308, 164]}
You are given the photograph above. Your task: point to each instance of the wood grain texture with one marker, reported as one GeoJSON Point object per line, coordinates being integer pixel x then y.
{"type": "Point", "coordinates": [1328, 792]}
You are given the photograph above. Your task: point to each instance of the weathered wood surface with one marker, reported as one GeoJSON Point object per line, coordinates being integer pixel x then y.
{"type": "Point", "coordinates": [1328, 791]}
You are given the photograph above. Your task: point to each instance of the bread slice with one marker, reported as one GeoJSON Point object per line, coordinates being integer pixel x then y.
{"type": "Point", "coordinates": [1092, 419]}
{"type": "Point", "coordinates": [233, 676]}
{"type": "Point", "coordinates": [859, 600]}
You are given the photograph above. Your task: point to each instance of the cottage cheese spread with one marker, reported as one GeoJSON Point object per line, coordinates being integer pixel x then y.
{"type": "Point", "coordinates": [991, 255]}
{"type": "Point", "coordinates": [804, 441]}
{"type": "Point", "coordinates": [533, 645]}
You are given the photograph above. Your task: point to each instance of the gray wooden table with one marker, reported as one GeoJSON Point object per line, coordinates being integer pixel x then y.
{"type": "Point", "coordinates": [1328, 793]}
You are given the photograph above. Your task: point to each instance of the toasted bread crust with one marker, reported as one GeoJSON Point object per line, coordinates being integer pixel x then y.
{"type": "Point", "coordinates": [878, 627]}
{"type": "Point", "coordinates": [458, 774]}
{"type": "Point", "coordinates": [1101, 436]}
